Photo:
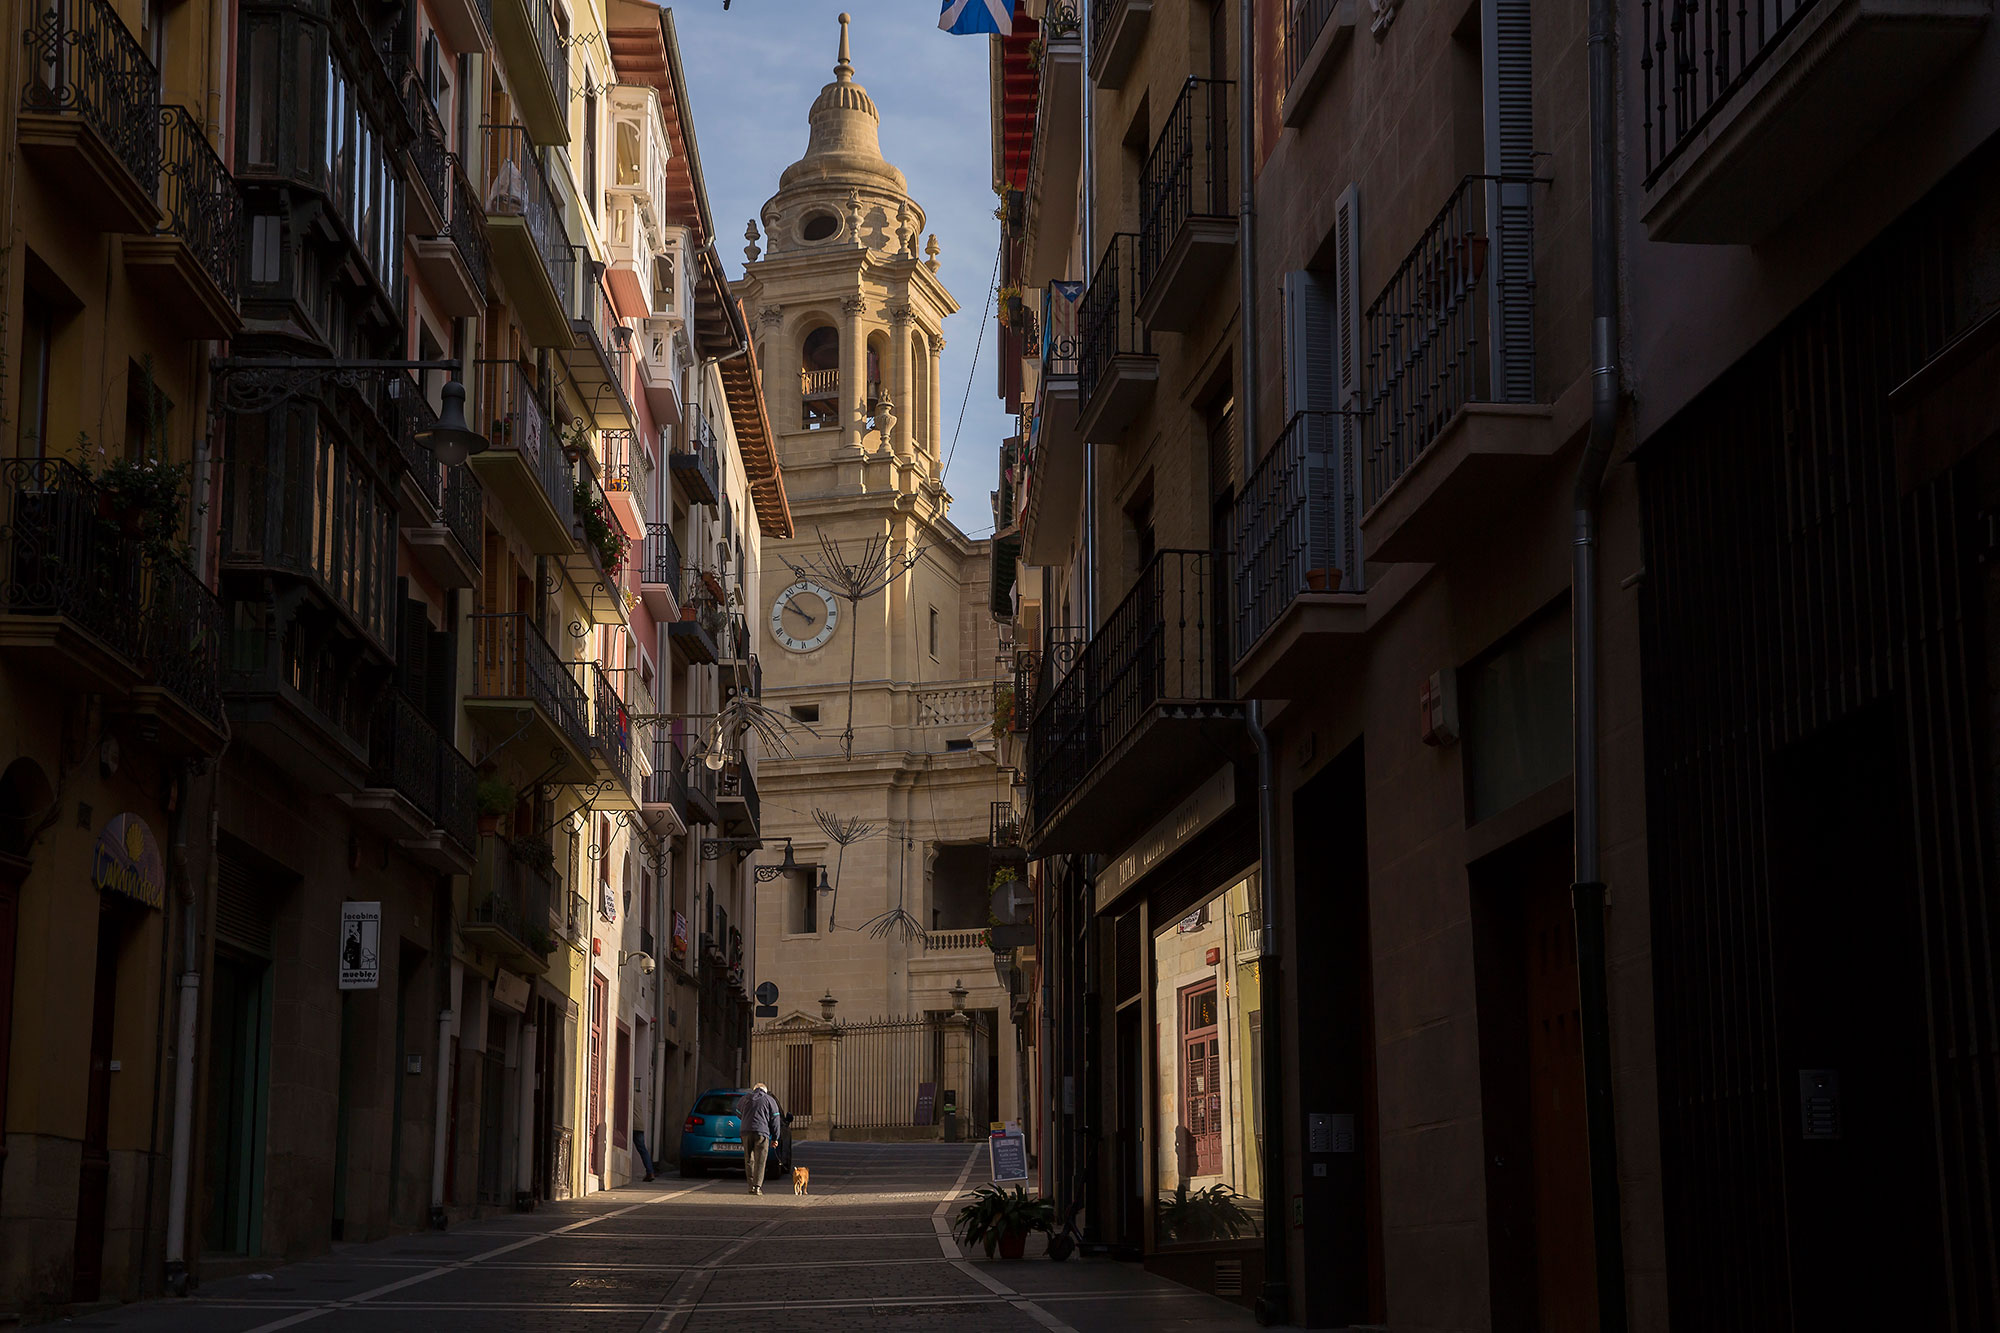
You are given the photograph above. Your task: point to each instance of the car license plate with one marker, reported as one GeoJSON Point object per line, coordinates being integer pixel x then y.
{"type": "Point", "coordinates": [729, 1147]}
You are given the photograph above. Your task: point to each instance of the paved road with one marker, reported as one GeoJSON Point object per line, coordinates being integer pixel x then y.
{"type": "Point", "coordinates": [868, 1251]}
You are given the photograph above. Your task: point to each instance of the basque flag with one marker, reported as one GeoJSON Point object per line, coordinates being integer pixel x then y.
{"type": "Point", "coordinates": [967, 18]}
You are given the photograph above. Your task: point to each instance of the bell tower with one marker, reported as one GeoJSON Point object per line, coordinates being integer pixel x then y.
{"type": "Point", "coordinates": [847, 312]}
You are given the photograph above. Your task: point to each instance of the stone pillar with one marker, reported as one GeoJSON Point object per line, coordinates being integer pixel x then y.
{"type": "Point", "coordinates": [937, 406]}
{"type": "Point", "coordinates": [524, 1166]}
{"type": "Point", "coordinates": [825, 1082]}
{"type": "Point", "coordinates": [956, 1076]}
{"type": "Point", "coordinates": [853, 370]}
{"type": "Point", "coordinates": [900, 374]}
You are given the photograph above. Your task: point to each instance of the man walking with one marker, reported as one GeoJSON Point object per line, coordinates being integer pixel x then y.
{"type": "Point", "coordinates": [761, 1126]}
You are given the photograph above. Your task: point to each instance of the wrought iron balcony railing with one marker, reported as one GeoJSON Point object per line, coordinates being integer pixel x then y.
{"type": "Point", "coordinates": [1304, 20]}
{"type": "Point", "coordinates": [184, 636]}
{"type": "Point", "coordinates": [430, 155]}
{"type": "Point", "coordinates": [464, 509]}
{"type": "Point", "coordinates": [1187, 171]}
{"type": "Point", "coordinates": [515, 662]}
{"type": "Point", "coordinates": [408, 414]}
{"type": "Point", "coordinates": [1108, 325]}
{"type": "Point", "coordinates": [517, 421]}
{"type": "Point", "coordinates": [549, 43]}
{"type": "Point", "coordinates": [610, 722]}
{"type": "Point", "coordinates": [660, 557]}
{"type": "Point", "coordinates": [697, 460]}
{"type": "Point", "coordinates": [405, 754]}
{"type": "Point", "coordinates": [61, 554]}
{"type": "Point", "coordinates": [517, 186]}
{"type": "Point", "coordinates": [84, 62]}
{"type": "Point", "coordinates": [1162, 642]}
{"type": "Point", "coordinates": [458, 806]}
{"type": "Point", "coordinates": [1693, 56]}
{"type": "Point", "coordinates": [738, 782]}
{"type": "Point", "coordinates": [465, 223]}
{"type": "Point", "coordinates": [199, 199]}
{"type": "Point", "coordinates": [513, 897]}
{"type": "Point", "coordinates": [1454, 325]}
{"type": "Point", "coordinates": [1298, 521]}
{"type": "Point", "coordinates": [620, 465]}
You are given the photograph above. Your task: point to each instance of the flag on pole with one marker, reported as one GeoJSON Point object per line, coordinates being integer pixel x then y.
{"type": "Point", "coordinates": [965, 18]}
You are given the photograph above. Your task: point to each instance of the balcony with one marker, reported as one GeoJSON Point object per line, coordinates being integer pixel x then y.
{"type": "Point", "coordinates": [626, 472]}
{"type": "Point", "coordinates": [453, 262]}
{"type": "Point", "coordinates": [1452, 428]}
{"type": "Point", "coordinates": [660, 572]}
{"type": "Point", "coordinates": [189, 264]}
{"type": "Point", "coordinates": [1052, 472]}
{"type": "Point", "coordinates": [405, 762]}
{"type": "Point", "coordinates": [90, 114]}
{"type": "Point", "coordinates": [467, 25]}
{"type": "Point", "coordinates": [300, 692]}
{"type": "Point", "coordinates": [694, 467]}
{"type": "Point", "coordinates": [1187, 208]}
{"type": "Point", "coordinates": [427, 162]}
{"type": "Point", "coordinates": [1750, 108]}
{"type": "Point", "coordinates": [1301, 609]}
{"type": "Point", "coordinates": [521, 686]}
{"type": "Point", "coordinates": [663, 794]}
{"type": "Point", "coordinates": [696, 638]}
{"type": "Point", "coordinates": [451, 846]}
{"type": "Point", "coordinates": [819, 398]}
{"type": "Point", "coordinates": [1316, 32]}
{"type": "Point", "coordinates": [71, 594]}
{"type": "Point", "coordinates": [595, 562]}
{"type": "Point", "coordinates": [1116, 369]}
{"type": "Point", "coordinates": [1117, 29]}
{"type": "Point", "coordinates": [1056, 159]}
{"type": "Point", "coordinates": [508, 915]}
{"type": "Point", "coordinates": [1108, 746]}
{"type": "Point", "coordinates": [537, 61]}
{"type": "Point", "coordinates": [599, 349]}
{"type": "Point", "coordinates": [569, 917]}
{"type": "Point", "coordinates": [689, 788]}
{"type": "Point", "coordinates": [524, 224]}
{"type": "Point", "coordinates": [450, 548]}
{"type": "Point", "coordinates": [610, 740]}
{"type": "Point", "coordinates": [660, 371]}
{"type": "Point", "coordinates": [523, 466]}
{"type": "Point", "coordinates": [736, 801]}
{"type": "Point", "coordinates": [180, 698]}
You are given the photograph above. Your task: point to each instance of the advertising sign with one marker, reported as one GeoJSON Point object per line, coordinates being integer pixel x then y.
{"type": "Point", "coordinates": [510, 991]}
{"type": "Point", "coordinates": [127, 862]}
{"type": "Point", "coordinates": [1007, 1154]}
{"type": "Point", "coordinates": [360, 946]}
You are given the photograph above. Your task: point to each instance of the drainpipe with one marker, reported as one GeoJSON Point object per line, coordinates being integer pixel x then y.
{"type": "Point", "coordinates": [1588, 893]}
{"type": "Point", "coordinates": [185, 1034]}
{"type": "Point", "coordinates": [447, 1022]}
{"type": "Point", "coordinates": [524, 1163]}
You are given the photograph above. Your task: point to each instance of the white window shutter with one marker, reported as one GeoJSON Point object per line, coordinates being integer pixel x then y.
{"type": "Point", "coordinates": [1309, 353]}
{"type": "Point", "coordinates": [1509, 75]}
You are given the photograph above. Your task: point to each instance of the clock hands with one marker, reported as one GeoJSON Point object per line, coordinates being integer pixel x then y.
{"type": "Point", "coordinates": [799, 611]}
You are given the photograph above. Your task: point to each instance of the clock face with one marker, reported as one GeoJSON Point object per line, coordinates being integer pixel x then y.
{"type": "Point", "coordinates": [803, 617]}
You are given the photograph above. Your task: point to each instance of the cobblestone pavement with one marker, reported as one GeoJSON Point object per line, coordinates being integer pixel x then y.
{"type": "Point", "coordinates": [869, 1251]}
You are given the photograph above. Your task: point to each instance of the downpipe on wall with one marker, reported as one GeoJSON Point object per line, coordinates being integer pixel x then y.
{"type": "Point", "coordinates": [1588, 893]}
{"type": "Point", "coordinates": [186, 1030]}
{"type": "Point", "coordinates": [440, 1137]}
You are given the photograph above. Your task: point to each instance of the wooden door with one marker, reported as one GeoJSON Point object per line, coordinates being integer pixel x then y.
{"type": "Point", "coordinates": [1565, 1281]}
{"type": "Point", "coordinates": [94, 1172]}
{"type": "Point", "coordinates": [1201, 1081]}
{"type": "Point", "coordinates": [599, 1000]}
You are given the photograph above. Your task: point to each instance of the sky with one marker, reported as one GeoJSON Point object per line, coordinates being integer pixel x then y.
{"type": "Point", "coordinates": [752, 74]}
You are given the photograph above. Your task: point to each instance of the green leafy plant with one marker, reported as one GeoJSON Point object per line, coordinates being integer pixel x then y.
{"type": "Point", "coordinates": [599, 529]}
{"type": "Point", "coordinates": [996, 1214]}
{"type": "Point", "coordinates": [539, 940]}
{"type": "Point", "coordinates": [494, 796]}
{"type": "Point", "coordinates": [1003, 710]}
{"type": "Point", "coordinates": [143, 493]}
{"type": "Point", "coordinates": [1206, 1214]}
{"type": "Point", "coordinates": [535, 852]}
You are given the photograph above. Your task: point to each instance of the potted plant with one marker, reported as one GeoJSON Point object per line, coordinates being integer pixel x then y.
{"type": "Point", "coordinates": [1003, 1220]}
{"type": "Point", "coordinates": [538, 939]}
{"type": "Point", "coordinates": [494, 798]}
{"type": "Point", "coordinates": [1010, 306]}
{"type": "Point", "coordinates": [1206, 1214]}
{"type": "Point", "coordinates": [1003, 709]}
{"type": "Point", "coordinates": [1323, 580]}
{"type": "Point", "coordinates": [535, 852]}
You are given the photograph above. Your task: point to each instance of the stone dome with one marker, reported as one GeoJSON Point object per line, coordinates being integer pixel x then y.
{"type": "Point", "coordinates": [844, 148]}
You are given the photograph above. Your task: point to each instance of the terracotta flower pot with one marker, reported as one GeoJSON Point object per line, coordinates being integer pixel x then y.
{"type": "Point", "coordinates": [1013, 1244]}
{"type": "Point", "coordinates": [687, 613]}
{"type": "Point", "coordinates": [1323, 580]}
{"type": "Point", "coordinates": [489, 824]}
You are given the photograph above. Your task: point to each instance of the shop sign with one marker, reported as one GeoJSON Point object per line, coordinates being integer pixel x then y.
{"type": "Point", "coordinates": [1210, 802]}
{"type": "Point", "coordinates": [510, 991]}
{"type": "Point", "coordinates": [360, 946]}
{"type": "Point", "coordinates": [1007, 1156]}
{"type": "Point", "coordinates": [127, 862]}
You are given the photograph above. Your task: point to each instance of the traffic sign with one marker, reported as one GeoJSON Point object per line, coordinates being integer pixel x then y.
{"type": "Point", "coordinates": [767, 993]}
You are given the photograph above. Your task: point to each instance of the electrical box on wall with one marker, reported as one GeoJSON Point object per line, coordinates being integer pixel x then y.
{"type": "Point", "coordinates": [1438, 708]}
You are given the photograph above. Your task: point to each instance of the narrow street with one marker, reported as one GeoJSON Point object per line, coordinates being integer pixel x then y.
{"type": "Point", "coordinates": [868, 1249]}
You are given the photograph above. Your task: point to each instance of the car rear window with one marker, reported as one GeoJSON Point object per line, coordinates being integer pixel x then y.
{"type": "Point", "coordinates": [717, 1103]}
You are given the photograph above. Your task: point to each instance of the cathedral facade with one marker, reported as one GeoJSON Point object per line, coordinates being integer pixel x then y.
{"type": "Point", "coordinates": [874, 633]}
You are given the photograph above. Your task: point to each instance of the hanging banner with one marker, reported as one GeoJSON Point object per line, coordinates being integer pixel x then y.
{"type": "Point", "coordinates": [1059, 308]}
{"type": "Point", "coordinates": [360, 946]}
{"type": "Point", "coordinates": [127, 862]}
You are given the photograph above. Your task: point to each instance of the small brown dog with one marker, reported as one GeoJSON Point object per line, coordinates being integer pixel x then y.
{"type": "Point", "coordinates": [801, 1179]}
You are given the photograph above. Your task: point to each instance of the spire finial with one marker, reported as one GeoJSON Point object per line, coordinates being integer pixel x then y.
{"type": "Point", "coordinates": [843, 68]}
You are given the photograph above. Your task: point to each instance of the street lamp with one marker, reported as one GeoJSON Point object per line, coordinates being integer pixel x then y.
{"type": "Point", "coordinates": [790, 865]}
{"type": "Point", "coordinates": [449, 438]}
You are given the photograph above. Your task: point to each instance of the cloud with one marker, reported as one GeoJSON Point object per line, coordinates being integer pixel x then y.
{"type": "Point", "coordinates": [753, 72]}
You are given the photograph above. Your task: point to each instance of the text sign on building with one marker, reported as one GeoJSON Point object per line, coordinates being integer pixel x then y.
{"type": "Point", "coordinates": [510, 990]}
{"type": "Point", "coordinates": [1210, 802]}
{"type": "Point", "coordinates": [360, 946]}
{"type": "Point", "coordinates": [127, 862]}
{"type": "Point", "coordinates": [1008, 1156]}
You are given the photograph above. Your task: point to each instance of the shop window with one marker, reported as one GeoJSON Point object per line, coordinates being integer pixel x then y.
{"type": "Point", "coordinates": [1207, 1127]}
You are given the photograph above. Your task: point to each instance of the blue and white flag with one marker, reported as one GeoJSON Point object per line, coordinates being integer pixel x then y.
{"type": "Point", "coordinates": [966, 18]}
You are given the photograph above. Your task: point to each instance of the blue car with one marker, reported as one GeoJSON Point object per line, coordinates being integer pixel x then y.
{"type": "Point", "coordinates": [712, 1135]}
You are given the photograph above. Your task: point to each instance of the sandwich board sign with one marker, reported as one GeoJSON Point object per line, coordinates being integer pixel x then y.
{"type": "Point", "coordinates": [1007, 1153]}
{"type": "Point", "coordinates": [360, 946]}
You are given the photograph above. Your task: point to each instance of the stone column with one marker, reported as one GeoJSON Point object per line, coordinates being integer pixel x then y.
{"type": "Point", "coordinates": [937, 403]}
{"type": "Point", "coordinates": [956, 1076]}
{"type": "Point", "coordinates": [900, 389]}
{"type": "Point", "coordinates": [853, 370]}
{"type": "Point", "coordinates": [825, 1082]}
